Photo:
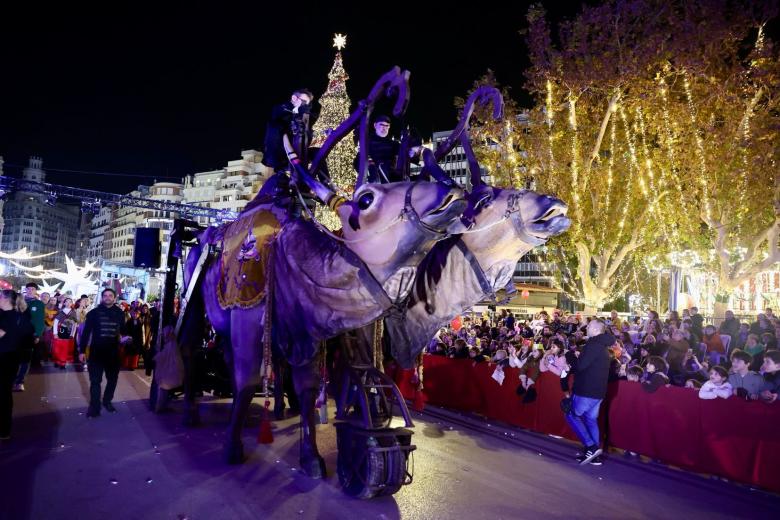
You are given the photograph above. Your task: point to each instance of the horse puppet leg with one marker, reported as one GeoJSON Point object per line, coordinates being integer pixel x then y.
{"type": "Point", "coordinates": [191, 338]}
{"type": "Point", "coordinates": [246, 338]}
{"type": "Point", "coordinates": [307, 382]}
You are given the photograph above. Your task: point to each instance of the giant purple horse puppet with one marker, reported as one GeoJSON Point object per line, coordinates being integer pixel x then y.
{"type": "Point", "coordinates": [466, 269]}
{"type": "Point", "coordinates": [322, 285]}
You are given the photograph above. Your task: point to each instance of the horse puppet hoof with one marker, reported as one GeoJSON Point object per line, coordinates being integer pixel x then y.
{"type": "Point", "coordinates": [314, 467]}
{"type": "Point", "coordinates": [234, 453]}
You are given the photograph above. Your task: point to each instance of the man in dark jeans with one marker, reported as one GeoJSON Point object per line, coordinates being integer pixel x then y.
{"type": "Point", "coordinates": [590, 388]}
{"type": "Point", "coordinates": [102, 331]}
{"type": "Point", "coordinates": [35, 313]}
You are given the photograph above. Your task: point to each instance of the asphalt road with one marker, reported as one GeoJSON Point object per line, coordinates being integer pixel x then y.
{"type": "Point", "coordinates": [136, 464]}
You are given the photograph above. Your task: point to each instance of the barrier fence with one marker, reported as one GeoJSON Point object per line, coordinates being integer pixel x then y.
{"type": "Point", "coordinates": [732, 438]}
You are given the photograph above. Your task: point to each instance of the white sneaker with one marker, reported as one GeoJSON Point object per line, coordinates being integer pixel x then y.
{"type": "Point", "coordinates": [19, 388]}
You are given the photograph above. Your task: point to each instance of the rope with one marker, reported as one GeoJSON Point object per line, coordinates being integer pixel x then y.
{"type": "Point", "coordinates": [268, 318]}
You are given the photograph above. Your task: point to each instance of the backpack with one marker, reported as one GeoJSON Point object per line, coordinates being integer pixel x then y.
{"type": "Point", "coordinates": [65, 325]}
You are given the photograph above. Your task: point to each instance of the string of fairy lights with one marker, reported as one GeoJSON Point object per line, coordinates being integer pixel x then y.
{"type": "Point", "coordinates": [699, 150]}
{"type": "Point", "coordinates": [667, 154]}
{"type": "Point", "coordinates": [610, 169]}
{"type": "Point", "coordinates": [672, 168]}
{"type": "Point", "coordinates": [643, 173]}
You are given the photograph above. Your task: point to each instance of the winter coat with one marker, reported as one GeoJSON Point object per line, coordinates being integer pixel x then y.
{"type": "Point", "coordinates": [102, 330]}
{"type": "Point", "coordinates": [709, 391]}
{"type": "Point", "coordinates": [592, 371]}
{"type": "Point", "coordinates": [282, 116]}
{"type": "Point", "coordinates": [655, 381]}
{"type": "Point", "coordinates": [19, 333]}
{"type": "Point", "coordinates": [382, 155]}
{"type": "Point", "coordinates": [772, 382]}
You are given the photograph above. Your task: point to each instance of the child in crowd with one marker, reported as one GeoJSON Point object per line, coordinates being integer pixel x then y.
{"type": "Point", "coordinates": [746, 383]}
{"type": "Point", "coordinates": [529, 372]}
{"type": "Point", "coordinates": [692, 383]}
{"type": "Point", "coordinates": [641, 353]}
{"type": "Point", "coordinates": [476, 356]}
{"type": "Point", "coordinates": [635, 374]}
{"type": "Point", "coordinates": [717, 386]}
{"type": "Point", "coordinates": [460, 350]}
{"type": "Point", "coordinates": [615, 367]}
{"type": "Point", "coordinates": [771, 370]}
{"type": "Point", "coordinates": [656, 374]}
{"type": "Point", "coordinates": [554, 360]}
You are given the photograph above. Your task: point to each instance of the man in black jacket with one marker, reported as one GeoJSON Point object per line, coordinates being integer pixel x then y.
{"type": "Point", "coordinates": [290, 119]}
{"type": "Point", "coordinates": [102, 331]}
{"type": "Point", "coordinates": [590, 388]}
{"type": "Point", "coordinates": [287, 118]}
{"type": "Point", "coordinates": [382, 153]}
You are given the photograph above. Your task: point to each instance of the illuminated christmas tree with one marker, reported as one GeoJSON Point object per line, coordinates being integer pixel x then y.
{"type": "Point", "coordinates": [335, 109]}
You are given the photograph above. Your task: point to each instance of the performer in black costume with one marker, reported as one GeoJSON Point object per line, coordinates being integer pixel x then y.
{"type": "Point", "coordinates": [291, 119]}
{"type": "Point", "coordinates": [383, 152]}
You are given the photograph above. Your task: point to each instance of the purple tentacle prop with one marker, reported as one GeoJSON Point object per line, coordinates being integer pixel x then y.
{"type": "Point", "coordinates": [323, 192]}
{"type": "Point", "coordinates": [482, 95]}
{"type": "Point", "coordinates": [432, 168]}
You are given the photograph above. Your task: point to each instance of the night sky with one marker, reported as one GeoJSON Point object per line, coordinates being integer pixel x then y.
{"type": "Point", "coordinates": [166, 94]}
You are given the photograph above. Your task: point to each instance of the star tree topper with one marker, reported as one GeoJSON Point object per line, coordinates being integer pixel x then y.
{"type": "Point", "coordinates": [340, 41]}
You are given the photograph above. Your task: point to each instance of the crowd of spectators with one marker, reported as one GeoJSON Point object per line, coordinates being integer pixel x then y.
{"type": "Point", "coordinates": [734, 359]}
{"type": "Point", "coordinates": [58, 319]}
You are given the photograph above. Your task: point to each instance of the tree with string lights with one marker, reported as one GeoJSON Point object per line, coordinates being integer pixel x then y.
{"type": "Point", "coordinates": [624, 131]}
{"type": "Point", "coordinates": [335, 104]}
{"type": "Point", "coordinates": [721, 129]}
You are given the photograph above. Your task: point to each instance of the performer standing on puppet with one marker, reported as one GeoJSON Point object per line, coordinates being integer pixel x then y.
{"type": "Point", "coordinates": [383, 152]}
{"type": "Point", "coordinates": [291, 119]}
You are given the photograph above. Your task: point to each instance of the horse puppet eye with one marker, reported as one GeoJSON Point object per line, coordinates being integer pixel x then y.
{"type": "Point", "coordinates": [365, 200]}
